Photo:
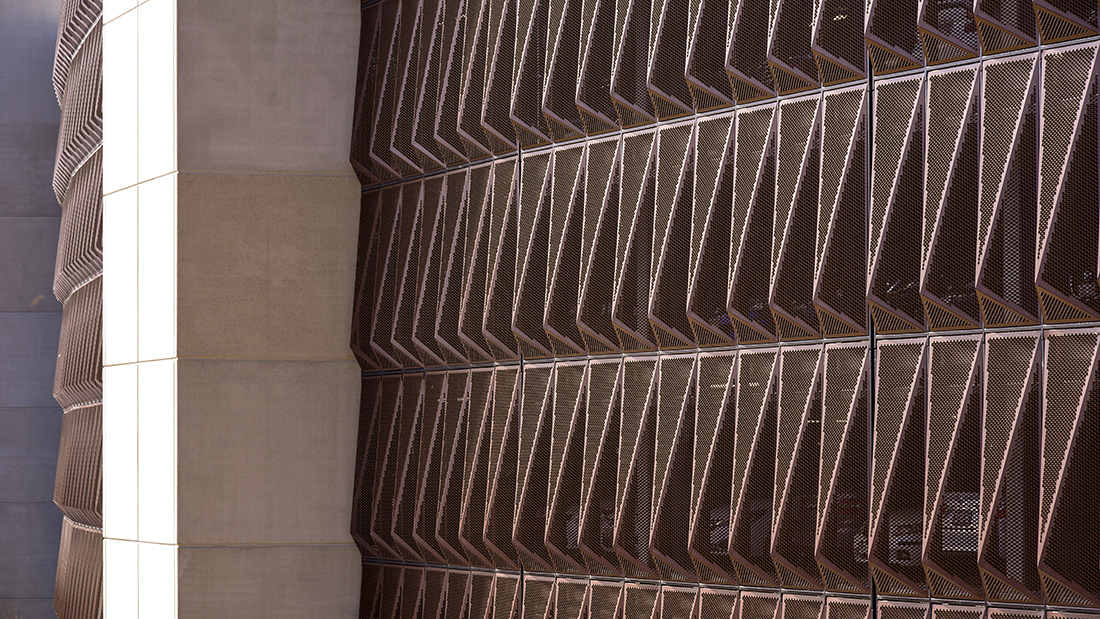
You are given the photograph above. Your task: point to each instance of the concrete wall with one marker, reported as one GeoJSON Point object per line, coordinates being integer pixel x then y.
{"type": "Point", "coordinates": [230, 229]}
{"type": "Point", "coordinates": [30, 317]}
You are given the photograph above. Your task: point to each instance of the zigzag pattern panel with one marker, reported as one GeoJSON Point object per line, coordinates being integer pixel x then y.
{"type": "Point", "coordinates": [471, 522]}
{"type": "Point", "coordinates": [637, 453]}
{"type": "Point", "coordinates": [538, 597]}
{"type": "Point", "coordinates": [502, 478]}
{"type": "Point", "coordinates": [567, 475]}
{"type": "Point", "coordinates": [567, 229]}
{"type": "Point", "coordinates": [718, 603]}
{"type": "Point", "coordinates": [500, 76]}
{"type": "Point", "coordinates": [570, 598]}
{"type": "Point", "coordinates": [379, 527]}
{"type": "Point", "coordinates": [898, 468]}
{"type": "Point", "coordinates": [433, 435]}
{"type": "Point", "coordinates": [634, 254]}
{"type": "Point", "coordinates": [635, 31]}
{"type": "Point", "coordinates": [605, 599]}
{"type": "Point", "coordinates": [798, 175]}
{"type": "Point", "coordinates": [1007, 192]}
{"type": "Point", "coordinates": [366, 276]}
{"type": "Point", "coordinates": [802, 607]}
{"type": "Point", "coordinates": [391, 31]}
{"type": "Point", "coordinates": [452, 265]}
{"type": "Point", "coordinates": [843, 492]}
{"type": "Point", "coordinates": [456, 25]}
{"type": "Point", "coordinates": [837, 42]}
{"type": "Point", "coordinates": [501, 257]}
{"type": "Point", "coordinates": [679, 601]}
{"type": "Point", "coordinates": [755, 605]}
{"type": "Point", "coordinates": [534, 252]}
{"type": "Point", "coordinates": [79, 586]}
{"type": "Point", "coordinates": [797, 469]}
{"type": "Point", "coordinates": [889, 609]}
{"type": "Point", "coordinates": [839, 277]}
{"type": "Point", "coordinates": [672, 479]}
{"type": "Point", "coordinates": [507, 600]}
{"type": "Point", "coordinates": [847, 608]}
{"type": "Point", "coordinates": [531, 61]}
{"type": "Point", "coordinates": [1005, 25]}
{"type": "Point", "coordinates": [793, 66]}
{"type": "Point", "coordinates": [600, 481]}
{"type": "Point", "coordinates": [672, 222]}
{"type": "Point", "coordinates": [436, 28]}
{"type": "Point", "coordinates": [1064, 21]}
{"type": "Point", "coordinates": [754, 468]}
{"type": "Point", "coordinates": [1007, 545]}
{"type": "Point", "coordinates": [366, 457]}
{"type": "Point", "coordinates": [404, 153]}
{"type": "Point", "coordinates": [474, 67]}
{"type": "Point", "coordinates": [666, 74]}
{"type": "Point", "coordinates": [476, 262]}
{"type": "Point", "coordinates": [563, 59]}
{"type": "Point", "coordinates": [710, 232]}
{"type": "Point", "coordinates": [408, 245]}
{"type": "Point", "coordinates": [953, 463]}
{"type": "Point", "coordinates": [600, 245]}
{"type": "Point", "coordinates": [536, 442]}
{"type": "Point", "coordinates": [893, 40]}
{"type": "Point", "coordinates": [80, 239]}
{"type": "Point", "coordinates": [1065, 270]}
{"type": "Point", "coordinates": [599, 42]}
{"type": "Point", "coordinates": [893, 276]}
{"type": "Point", "coordinates": [753, 214]}
{"type": "Point", "coordinates": [78, 378]}
{"type": "Point", "coordinates": [1068, 552]}
{"type": "Point", "coordinates": [712, 480]}
{"type": "Point", "coordinates": [462, 400]}
{"type": "Point", "coordinates": [708, 24]}
{"type": "Point", "coordinates": [409, 429]}
{"type": "Point", "coordinates": [386, 277]}
{"type": "Point", "coordinates": [948, 31]}
{"type": "Point", "coordinates": [641, 600]}
{"type": "Point", "coordinates": [747, 57]}
{"type": "Point", "coordinates": [78, 486]}
{"type": "Point", "coordinates": [432, 235]}
{"type": "Point", "coordinates": [950, 200]}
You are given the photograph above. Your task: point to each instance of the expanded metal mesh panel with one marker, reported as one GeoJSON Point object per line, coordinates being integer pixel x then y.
{"type": "Point", "coordinates": [570, 599]}
{"type": "Point", "coordinates": [634, 36]}
{"type": "Point", "coordinates": [78, 378]}
{"type": "Point", "coordinates": [435, 27]}
{"type": "Point", "coordinates": [847, 608]}
{"type": "Point", "coordinates": [958, 611]}
{"type": "Point", "coordinates": [502, 478]}
{"type": "Point", "coordinates": [386, 277]}
{"type": "Point", "coordinates": [1007, 192]}
{"type": "Point", "coordinates": [599, 484]}
{"type": "Point", "coordinates": [715, 419]}
{"type": "Point", "coordinates": [672, 237]}
{"type": "Point", "coordinates": [710, 232]}
{"type": "Point", "coordinates": [904, 610]}
{"type": "Point", "coordinates": [500, 76]}
{"type": "Point", "coordinates": [563, 58]}
{"type": "Point", "coordinates": [538, 597]}
{"type": "Point", "coordinates": [476, 480]}
{"type": "Point", "coordinates": [798, 174]}
{"type": "Point", "coordinates": [898, 468]}
{"type": "Point", "coordinates": [1068, 551]}
{"type": "Point", "coordinates": [78, 592]}
{"type": "Point", "coordinates": [674, 468]}
{"type": "Point", "coordinates": [893, 276]}
{"type": "Point", "coordinates": [530, 61]}
{"type": "Point", "coordinates": [1062, 20]}
{"type": "Point", "coordinates": [81, 130]}
{"type": "Point", "coordinates": [600, 245]}
{"type": "Point", "coordinates": [78, 487]}
{"type": "Point", "coordinates": [950, 200]}
{"type": "Point", "coordinates": [78, 18]}
{"type": "Point", "coordinates": [797, 463]}
{"type": "Point", "coordinates": [841, 543]}
{"type": "Point", "coordinates": [634, 256]}
{"type": "Point", "coordinates": [405, 155]}
{"type": "Point", "coordinates": [718, 603]}
{"type": "Point", "coordinates": [839, 278]}
{"type": "Point", "coordinates": [501, 260]}
{"type": "Point", "coordinates": [367, 83]}
{"type": "Point", "coordinates": [599, 39]}
{"type": "Point", "coordinates": [665, 77]}
{"type": "Point", "coordinates": [803, 607]}
{"type": "Point", "coordinates": [679, 601]}
{"type": "Point", "coordinates": [476, 263]}
{"type": "Point", "coordinates": [747, 57]}
{"type": "Point", "coordinates": [953, 460]}
{"type": "Point", "coordinates": [80, 240]}
{"type": "Point", "coordinates": [708, 34]}
{"type": "Point", "coordinates": [754, 467]}
{"type": "Point", "coordinates": [475, 51]}
{"type": "Point", "coordinates": [409, 429]}
{"type": "Point", "coordinates": [433, 437]}
{"type": "Point", "coordinates": [567, 214]}
{"type": "Point", "coordinates": [507, 601]}
{"type": "Point", "coordinates": [948, 31]}
{"type": "Point", "coordinates": [759, 606]}
{"type": "Point", "coordinates": [434, 593]}
{"type": "Point", "coordinates": [1068, 186]}
{"type": "Point", "coordinates": [641, 601]}
{"type": "Point", "coordinates": [481, 596]}
{"type": "Point", "coordinates": [837, 42]}
{"type": "Point", "coordinates": [366, 460]}
{"type": "Point", "coordinates": [536, 439]}
{"type": "Point", "coordinates": [532, 261]}
{"type": "Point", "coordinates": [893, 42]}
{"type": "Point", "coordinates": [1005, 25]}
{"type": "Point", "coordinates": [637, 443]}
{"type": "Point", "coordinates": [393, 31]}
{"type": "Point", "coordinates": [753, 214]}
{"type": "Point", "coordinates": [408, 245]}
{"type": "Point", "coordinates": [367, 266]}
{"type": "Point", "coordinates": [794, 68]}
{"type": "Point", "coordinates": [605, 599]}
{"type": "Point", "coordinates": [370, 590]}
{"type": "Point", "coordinates": [456, 25]}
{"type": "Point", "coordinates": [1010, 468]}
{"type": "Point", "coordinates": [452, 253]}
{"type": "Point", "coordinates": [432, 245]}
{"type": "Point", "coordinates": [567, 473]}
{"type": "Point", "coordinates": [454, 466]}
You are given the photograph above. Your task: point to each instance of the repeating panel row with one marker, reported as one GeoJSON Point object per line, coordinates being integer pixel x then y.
{"type": "Point", "coordinates": [750, 227]}
{"type": "Point", "coordinates": [758, 467]}
{"type": "Point", "coordinates": [443, 82]}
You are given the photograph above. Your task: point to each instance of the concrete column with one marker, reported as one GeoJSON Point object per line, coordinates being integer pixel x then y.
{"type": "Point", "coordinates": [30, 317]}
{"type": "Point", "coordinates": [230, 229]}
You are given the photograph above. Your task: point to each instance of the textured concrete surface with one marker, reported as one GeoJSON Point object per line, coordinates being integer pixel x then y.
{"type": "Point", "coordinates": [30, 317]}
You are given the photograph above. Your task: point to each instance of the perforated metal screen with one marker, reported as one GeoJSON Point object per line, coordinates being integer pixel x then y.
{"type": "Point", "coordinates": [758, 309]}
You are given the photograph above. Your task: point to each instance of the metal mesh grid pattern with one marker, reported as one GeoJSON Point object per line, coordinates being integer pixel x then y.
{"type": "Point", "coordinates": [78, 379]}
{"type": "Point", "coordinates": [78, 592]}
{"type": "Point", "coordinates": [851, 215]}
{"type": "Point", "coordinates": [78, 487]}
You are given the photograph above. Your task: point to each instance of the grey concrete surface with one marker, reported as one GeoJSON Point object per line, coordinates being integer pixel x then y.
{"type": "Point", "coordinates": [30, 318]}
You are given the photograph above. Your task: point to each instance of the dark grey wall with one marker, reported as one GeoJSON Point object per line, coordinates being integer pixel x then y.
{"type": "Point", "coordinates": [30, 317]}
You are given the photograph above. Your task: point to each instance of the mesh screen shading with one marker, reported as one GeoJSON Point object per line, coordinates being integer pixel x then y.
{"type": "Point", "coordinates": [713, 309]}
{"type": "Point", "coordinates": [78, 591]}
